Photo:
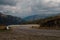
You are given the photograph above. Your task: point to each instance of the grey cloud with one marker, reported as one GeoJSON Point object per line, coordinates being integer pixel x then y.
{"type": "Point", "coordinates": [7, 2]}
{"type": "Point", "coordinates": [29, 7]}
{"type": "Point", "coordinates": [51, 8]}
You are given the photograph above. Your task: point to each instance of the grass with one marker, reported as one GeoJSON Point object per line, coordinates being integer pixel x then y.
{"type": "Point", "coordinates": [48, 28]}
{"type": "Point", "coordinates": [4, 30]}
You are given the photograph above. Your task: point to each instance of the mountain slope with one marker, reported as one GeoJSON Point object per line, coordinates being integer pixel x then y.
{"type": "Point", "coordinates": [42, 20]}
{"type": "Point", "coordinates": [8, 19]}
{"type": "Point", "coordinates": [36, 17]}
{"type": "Point", "coordinates": [51, 21]}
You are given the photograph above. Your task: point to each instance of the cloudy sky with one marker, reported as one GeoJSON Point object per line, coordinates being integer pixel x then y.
{"type": "Point", "coordinates": [25, 8]}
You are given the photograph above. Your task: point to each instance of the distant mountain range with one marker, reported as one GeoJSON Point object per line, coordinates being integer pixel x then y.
{"type": "Point", "coordinates": [50, 20]}
{"type": "Point", "coordinates": [37, 17]}
{"type": "Point", "coordinates": [8, 19]}
{"type": "Point", "coordinates": [13, 20]}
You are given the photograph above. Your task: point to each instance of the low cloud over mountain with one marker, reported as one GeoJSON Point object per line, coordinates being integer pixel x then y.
{"type": "Point", "coordinates": [23, 8]}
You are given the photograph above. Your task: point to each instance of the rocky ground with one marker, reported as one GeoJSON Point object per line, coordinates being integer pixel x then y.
{"type": "Point", "coordinates": [23, 33]}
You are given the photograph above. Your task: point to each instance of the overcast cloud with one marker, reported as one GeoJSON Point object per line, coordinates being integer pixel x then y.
{"type": "Point", "coordinates": [25, 8]}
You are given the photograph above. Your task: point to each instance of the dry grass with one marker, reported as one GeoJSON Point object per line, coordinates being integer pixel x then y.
{"type": "Point", "coordinates": [2, 27]}
{"type": "Point", "coordinates": [48, 28]}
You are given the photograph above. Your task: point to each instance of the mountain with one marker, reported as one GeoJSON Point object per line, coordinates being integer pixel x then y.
{"type": "Point", "coordinates": [50, 21]}
{"type": "Point", "coordinates": [8, 19]}
{"type": "Point", "coordinates": [36, 17]}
